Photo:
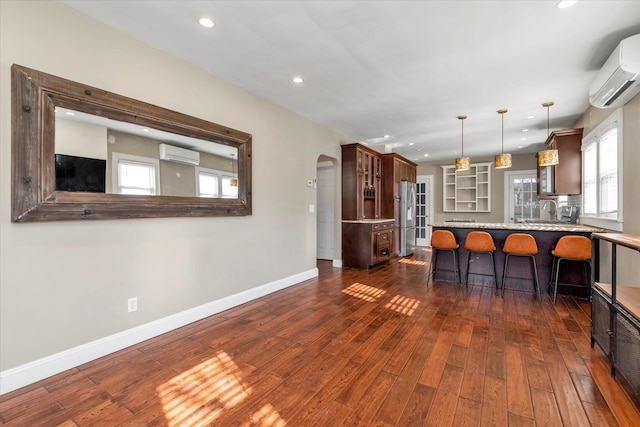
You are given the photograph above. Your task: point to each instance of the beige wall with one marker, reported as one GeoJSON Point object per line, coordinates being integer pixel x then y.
{"type": "Point", "coordinates": [63, 284]}
{"type": "Point", "coordinates": [628, 261]}
{"type": "Point", "coordinates": [80, 139]}
{"type": "Point", "coordinates": [520, 162]}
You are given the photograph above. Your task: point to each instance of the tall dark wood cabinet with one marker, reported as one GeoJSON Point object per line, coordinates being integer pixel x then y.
{"type": "Point", "coordinates": [395, 170]}
{"type": "Point", "coordinates": [361, 182]}
{"type": "Point", "coordinates": [367, 237]}
{"type": "Point", "coordinates": [565, 178]}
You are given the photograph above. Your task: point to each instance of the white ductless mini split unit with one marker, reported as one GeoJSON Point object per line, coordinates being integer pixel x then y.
{"type": "Point", "coordinates": [619, 78]}
{"type": "Point", "coordinates": [179, 155]}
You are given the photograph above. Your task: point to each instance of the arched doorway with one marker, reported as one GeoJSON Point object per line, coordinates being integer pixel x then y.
{"type": "Point", "coordinates": [326, 207]}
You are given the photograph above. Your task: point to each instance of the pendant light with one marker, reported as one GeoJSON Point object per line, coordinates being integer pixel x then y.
{"type": "Point", "coordinates": [548, 157]}
{"type": "Point", "coordinates": [462, 163]}
{"type": "Point", "coordinates": [502, 161]}
{"type": "Point", "coordinates": [234, 180]}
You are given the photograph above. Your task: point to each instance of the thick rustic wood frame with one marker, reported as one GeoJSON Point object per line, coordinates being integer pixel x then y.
{"type": "Point", "coordinates": [35, 95]}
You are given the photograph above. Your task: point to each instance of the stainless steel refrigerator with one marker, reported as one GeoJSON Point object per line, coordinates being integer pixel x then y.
{"type": "Point", "coordinates": [407, 218]}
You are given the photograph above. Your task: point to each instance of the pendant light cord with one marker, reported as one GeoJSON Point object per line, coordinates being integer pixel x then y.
{"type": "Point", "coordinates": [462, 140]}
{"type": "Point", "coordinates": [502, 133]}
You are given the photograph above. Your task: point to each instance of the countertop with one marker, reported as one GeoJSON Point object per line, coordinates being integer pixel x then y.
{"type": "Point", "coordinates": [571, 228]}
{"type": "Point", "coordinates": [367, 221]}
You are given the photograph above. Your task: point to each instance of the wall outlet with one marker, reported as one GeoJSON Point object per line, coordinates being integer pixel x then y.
{"type": "Point", "coordinates": [132, 304]}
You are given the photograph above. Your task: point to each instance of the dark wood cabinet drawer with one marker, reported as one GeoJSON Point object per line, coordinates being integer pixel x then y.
{"type": "Point", "coordinates": [383, 238]}
{"type": "Point", "coordinates": [382, 226]}
{"type": "Point", "coordinates": [383, 253]}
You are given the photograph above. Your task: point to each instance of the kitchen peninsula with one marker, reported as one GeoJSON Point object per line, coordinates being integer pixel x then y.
{"type": "Point", "coordinates": [546, 236]}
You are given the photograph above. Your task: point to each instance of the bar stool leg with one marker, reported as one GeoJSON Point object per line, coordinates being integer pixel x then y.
{"type": "Point", "coordinates": [495, 274]}
{"type": "Point", "coordinates": [457, 275]}
{"type": "Point", "coordinates": [466, 276]}
{"type": "Point", "coordinates": [535, 276]}
{"type": "Point", "coordinates": [432, 265]}
{"type": "Point", "coordinates": [555, 280]}
{"type": "Point", "coordinates": [553, 273]}
{"type": "Point", "coordinates": [504, 273]}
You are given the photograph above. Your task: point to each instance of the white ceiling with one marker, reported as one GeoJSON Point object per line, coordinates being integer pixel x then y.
{"type": "Point", "coordinates": [399, 68]}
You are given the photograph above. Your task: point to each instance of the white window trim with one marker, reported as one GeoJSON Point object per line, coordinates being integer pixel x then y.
{"type": "Point", "coordinates": [216, 172]}
{"type": "Point", "coordinates": [117, 157]}
{"type": "Point", "coordinates": [614, 120]}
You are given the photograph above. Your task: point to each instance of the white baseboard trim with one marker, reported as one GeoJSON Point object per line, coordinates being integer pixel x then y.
{"type": "Point", "coordinates": [337, 263]}
{"type": "Point", "coordinates": [14, 378]}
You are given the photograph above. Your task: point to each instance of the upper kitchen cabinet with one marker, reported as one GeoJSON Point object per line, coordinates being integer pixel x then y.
{"type": "Point", "coordinates": [565, 178]}
{"type": "Point", "coordinates": [396, 169]}
{"type": "Point", "coordinates": [361, 182]}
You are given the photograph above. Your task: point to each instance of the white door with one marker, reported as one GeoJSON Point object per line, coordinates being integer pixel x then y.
{"type": "Point", "coordinates": [325, 210]}
{"type": "Point", "coordinates": [521, 195]}
{"type": "Point", "coordinates": [424, 209]}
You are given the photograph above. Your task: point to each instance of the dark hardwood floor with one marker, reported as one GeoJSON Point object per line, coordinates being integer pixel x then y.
{"type": "Point", "coordinates": [351, 348]}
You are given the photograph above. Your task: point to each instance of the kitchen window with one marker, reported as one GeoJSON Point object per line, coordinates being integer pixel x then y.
{"type": "Point", "coordinates": [602, 174]}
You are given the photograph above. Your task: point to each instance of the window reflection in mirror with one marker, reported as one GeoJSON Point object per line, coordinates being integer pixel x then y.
{"type": "Point", "coordinates": [95, 154]}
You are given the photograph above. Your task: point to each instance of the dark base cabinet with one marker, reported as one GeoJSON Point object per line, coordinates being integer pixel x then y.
{"type": "Point", "coordinates": [621, 343]}
{"type": "Point", "coordinates": [615, 316]}
{"type": "Point", "coordinates": [366, 243]}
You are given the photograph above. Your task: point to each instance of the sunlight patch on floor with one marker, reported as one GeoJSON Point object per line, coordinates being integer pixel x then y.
{"type": "Point", "coordinates": [266, 416]}
{"type": "Point", "coordinates": [412, 261]}
{"type": "Point", "coordinates": [199, 395]}
{"type": "Point", "coordinates": [403, 305]}
{"type": "Point", "coordinates": [367, 293]}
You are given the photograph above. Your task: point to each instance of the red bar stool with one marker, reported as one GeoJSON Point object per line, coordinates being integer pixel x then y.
{"type": "Point", "coordinates": [570, 248]}
{"type": "Point", "coordinates": [520, 244]}
{"type": "Point", "coordinates": [443, 240]}
{"type": "Point", "coordinates": [480, 242]}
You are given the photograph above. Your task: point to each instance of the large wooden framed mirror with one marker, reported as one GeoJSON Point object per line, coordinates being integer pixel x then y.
{"type": "Point", "coordinates": [79, 152]}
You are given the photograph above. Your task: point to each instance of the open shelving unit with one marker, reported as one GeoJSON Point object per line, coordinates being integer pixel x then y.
{"type": "Point", "coordinates": [467, 191]}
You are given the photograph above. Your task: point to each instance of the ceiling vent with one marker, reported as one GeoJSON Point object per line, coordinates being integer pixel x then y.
{"type": "Point", "coordinates": [179, 155]}
{"type": "Point", "coordinates": [618, 81]}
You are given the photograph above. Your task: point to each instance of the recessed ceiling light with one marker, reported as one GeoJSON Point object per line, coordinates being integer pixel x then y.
{"type": "Point", "coordinates": [426, 155]}
{"type": "Point", "coordinates": [206, 22]}
{"type": "Point", "coordinates": [523, 139]}
{"type": "Point", "coordinates": [520, 146]}
{"type": "Point", "coordinates": [145, 130]}
{"type": "Point", "coordinates": [563, 4]}
{"type": "Point", "coordinates": [531, 117]}
{"type": "Point", "coordinates": [70, 113]}
{"type": "Point", "coordinates": [297, 80]}
{"type": "Point", "coordinates": [411, 143]}
{"type": "Point", "coordinates": [525, 130]}
{"type": "Point", "coordinates": [386, 136]}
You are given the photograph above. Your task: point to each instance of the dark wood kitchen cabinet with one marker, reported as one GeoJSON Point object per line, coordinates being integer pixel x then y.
{"type": "Point", "coordinates": [396, 169]}
{"type": "Point", "coordinates": [366, 243]}
{"type": "Point", "coordinates": [565, 178]}
{"type": "Point", "coordinates": [361, 182]}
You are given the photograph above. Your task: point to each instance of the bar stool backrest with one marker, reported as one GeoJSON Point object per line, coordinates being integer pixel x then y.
{"type": "Point", "coordinates": [479, 241]}
{"type": "Point", "coordinates": [520, 244]}
{"type": "Point", "coordinates": [443, 239]}
{"type": "Point", "coordinates": [573, 247]}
